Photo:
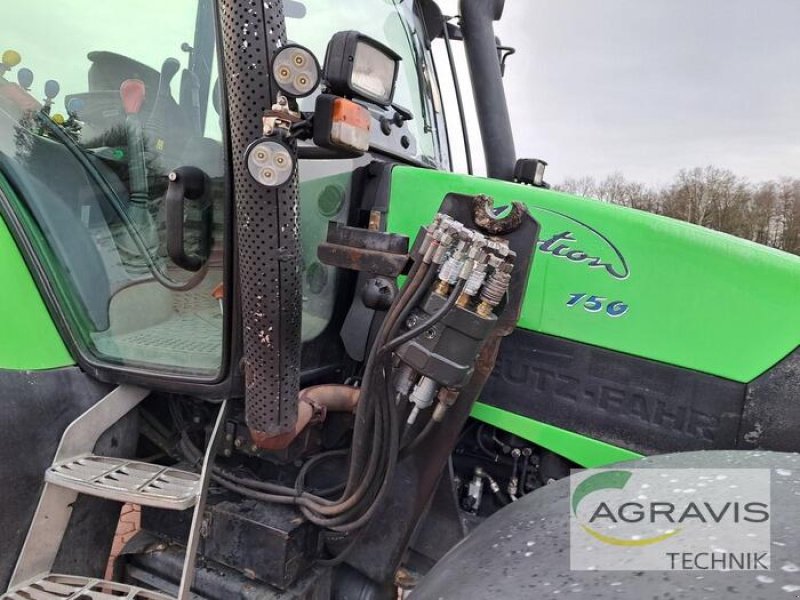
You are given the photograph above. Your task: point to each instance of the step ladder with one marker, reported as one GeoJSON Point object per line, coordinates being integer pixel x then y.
{"type": "Point", "coordinates": [76, 470]}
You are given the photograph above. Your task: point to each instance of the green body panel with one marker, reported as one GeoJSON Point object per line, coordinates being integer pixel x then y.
{"type": "Point", "coordinates": [695, 298]}
{"type": "Point", "coordinates": [28, 338]}
{"type": "Point", "coordinates": [580, 449]}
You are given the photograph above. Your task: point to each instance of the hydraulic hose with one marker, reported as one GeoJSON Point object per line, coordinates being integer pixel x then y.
{"type": "Point", "coordinates": [376, 444]}
{"type": "Point", "coordinates": [428, 323]}
{"type": "Point", "coordinates": [376, 429]}
{"type": "Point", "coordinates": [362, 413]}
{"type": "Point", "coordinates": [421, 437]}
{"type": "Point", "coordinates": [377, 420]}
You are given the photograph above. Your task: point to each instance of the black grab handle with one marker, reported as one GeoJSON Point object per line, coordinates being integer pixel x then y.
{"type": "Point", "coordinates": [188, 184]}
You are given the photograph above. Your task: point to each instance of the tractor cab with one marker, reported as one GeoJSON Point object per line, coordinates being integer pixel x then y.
{"type": "Point", "coordinates": [94, 123]}
{"type": "Point", "coordinates": [194, 216]}
{"type": "Point", "coordinates": [114, 115]}
{"type": "Point", "coordinates": [118, 102]}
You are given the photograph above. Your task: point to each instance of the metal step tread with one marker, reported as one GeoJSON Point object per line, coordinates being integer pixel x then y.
{"type": "Point", "coordinates": [73, 587]}
{"type": "Point", "coordinates": [127, 481]}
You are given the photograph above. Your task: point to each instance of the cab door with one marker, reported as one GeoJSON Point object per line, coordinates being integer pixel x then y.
{"type": "Point", "coordinates": [96, 115]}
{"type": "Point", "coordinates": [99, 103]}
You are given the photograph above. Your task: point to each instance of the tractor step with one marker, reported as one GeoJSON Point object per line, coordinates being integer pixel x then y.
{"type": "Point", "coordinates": [71, 587]}
{"type": "Point", "coordinates": [76, 471]}
{"type": "Point", "coordinates": [127, 481]}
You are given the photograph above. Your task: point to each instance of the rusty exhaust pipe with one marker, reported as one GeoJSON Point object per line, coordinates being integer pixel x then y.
{"type": "Point", "coordinates": [313, 406]}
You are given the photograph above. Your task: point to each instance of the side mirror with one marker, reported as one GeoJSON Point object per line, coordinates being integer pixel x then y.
{"type": "Point", "coordinates": [433, 20]}
{"type": "Point", "coordinates": [188, 184]}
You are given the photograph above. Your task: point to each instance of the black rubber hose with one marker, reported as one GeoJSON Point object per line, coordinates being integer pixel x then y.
{"type": "Point", "coordinates": [388, 475]}
{"type": "Point", "coordinates": [421, 437]}
{"type": "Point", "coordinates": [369, 420]}
{"type": "Point", "coordinates": [311, 462]}
{"type": "Point", "coordinates": [362, 511]}
{"type": "Point", "coordinates": [385, 351]}
{"type": "Point", "coordinates": [362, 412]}
{"type": "Point", "coordinates": [250, 493]}
{"type": "Point", "coordinates": [430, 322]}
{"type": "Point", "coordinates": [351, 498]}
{"type": "Point", "coordinates": [196, 457]}
{"type": "Point", "coordinates": [430, 276]}
{"type": "Point", "coordinates": [348, 501]}
{"type": "Point", "coordinates": [377, 429]}
{"type": "Point", "coordinates": [343, 554]}
{"type": "Point", "coordinates": [364, 495]}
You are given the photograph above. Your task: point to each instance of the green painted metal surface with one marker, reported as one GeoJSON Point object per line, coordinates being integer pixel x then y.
{"type": "Point", "coordinates": [580, 449]}
{"type": "Point", "coordinates": [689, 296]}
{"type": "Point", "coordinates": [28, 338]}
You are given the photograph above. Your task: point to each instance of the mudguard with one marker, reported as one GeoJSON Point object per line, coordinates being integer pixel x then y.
{"type": "Point", "coordinates": [522, 551]}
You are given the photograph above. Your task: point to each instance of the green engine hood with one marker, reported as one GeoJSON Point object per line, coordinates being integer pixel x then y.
{"type": "Point", "coordinates": [688, 296]}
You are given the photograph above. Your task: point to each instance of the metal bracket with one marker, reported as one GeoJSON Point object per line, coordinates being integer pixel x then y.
{"type": "Point", "coordinates": [55, 504]}
{"type": "Point", "coordinates": [187, 577]}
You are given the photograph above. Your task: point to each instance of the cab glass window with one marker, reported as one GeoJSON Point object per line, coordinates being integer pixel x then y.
{"type": "Point", "coordinates": [99, 102]}
{"type": "Point", "coordinates": [394, 24]}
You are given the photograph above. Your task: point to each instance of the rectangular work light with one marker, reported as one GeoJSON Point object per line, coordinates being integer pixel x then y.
{"type": "Point", "coordinates": [358, 66]}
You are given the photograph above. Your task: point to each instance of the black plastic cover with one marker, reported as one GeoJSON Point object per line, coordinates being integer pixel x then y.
{"type": "Point", "coordinates": [771, 418]}
{"type": "Point", "coordinates": [447, 351]}
{"type": "Point", "coordinates": [624, 400]}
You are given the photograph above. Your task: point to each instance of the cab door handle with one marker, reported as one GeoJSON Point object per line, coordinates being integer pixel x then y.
{"type": "Point", "coordinates": [188, 185]}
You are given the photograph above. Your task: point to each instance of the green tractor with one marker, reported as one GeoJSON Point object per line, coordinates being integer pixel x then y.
{"type": "Point", "coordinates": [245, 291]}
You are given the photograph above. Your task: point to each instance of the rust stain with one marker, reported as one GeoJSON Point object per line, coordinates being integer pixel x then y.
{"type": "Point", "coordinates": [483, 215]}
{"type": "Point", "coordinates": [129, 524]}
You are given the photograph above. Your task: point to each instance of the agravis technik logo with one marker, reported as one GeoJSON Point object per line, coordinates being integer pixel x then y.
{"type": "Point", "coordinates": [675, 519]}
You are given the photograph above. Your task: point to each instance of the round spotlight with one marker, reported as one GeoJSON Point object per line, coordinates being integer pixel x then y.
{"type": "Point", "coordinates": [296, 71]}
{"type": "Point", "coordinates": [269, 162]}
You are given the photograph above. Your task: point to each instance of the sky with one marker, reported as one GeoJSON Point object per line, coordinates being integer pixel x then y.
{"type": "Point", "coordinates": [643, 87]}
{"type": "Point", "coordinates": [647, 87]}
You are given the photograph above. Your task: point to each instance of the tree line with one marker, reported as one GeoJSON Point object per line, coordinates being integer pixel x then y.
{"type": "Point", "coordinates": [767, 212]}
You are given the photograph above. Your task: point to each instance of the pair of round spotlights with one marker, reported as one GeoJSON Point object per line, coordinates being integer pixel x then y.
{"type": "Point", "coordinates": [296, 73]}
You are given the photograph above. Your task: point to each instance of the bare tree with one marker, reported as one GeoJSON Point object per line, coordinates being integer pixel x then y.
{"type": "Point", "coordinates": [788, 201]}
{"type": "Point", "coordinates": [582, 186]}
{"type": "Point", "coordinates": [767, 213]}
{"type": "Point", "coordinates": [764, 215]}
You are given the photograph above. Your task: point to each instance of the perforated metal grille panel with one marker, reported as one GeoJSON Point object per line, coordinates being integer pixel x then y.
{"type": "Point", "coordinates": [266, 221]}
